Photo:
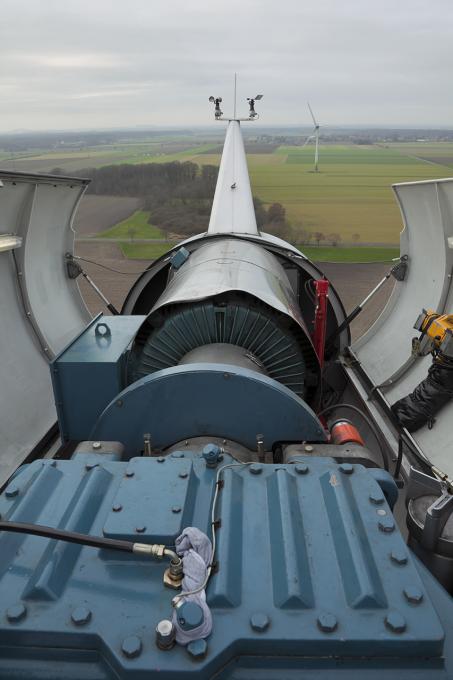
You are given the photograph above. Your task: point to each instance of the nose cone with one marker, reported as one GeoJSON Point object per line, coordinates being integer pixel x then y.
{"type": "Point", "coordinates": [232, 209]}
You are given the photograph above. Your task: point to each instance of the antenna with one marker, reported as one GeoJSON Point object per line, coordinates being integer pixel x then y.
{"type": "Point", "coordinates": [235, 84]}
{"type": "Point", "coordinates": [315, 135]}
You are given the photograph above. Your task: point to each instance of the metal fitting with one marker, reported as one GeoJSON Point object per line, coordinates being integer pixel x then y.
{"type": "Point", "coordinates": [211, 454]}
{"type": "Point", "coordinates": [174, 574]}
{"type": "Point", "coordinates": [165, 634]}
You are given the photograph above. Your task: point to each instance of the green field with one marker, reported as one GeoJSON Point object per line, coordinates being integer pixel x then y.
{"type": "Point", "coordinates": [143, 251]}
{"type": "Point", "coordinates": [350, 195]}
{"type": "Point", "coordinates": [138, 223]}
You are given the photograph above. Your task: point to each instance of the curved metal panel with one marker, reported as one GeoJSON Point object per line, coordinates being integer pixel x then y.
{"type": "Point", "coordinates": [385, 350]}
{"type": "Point", "coordinates": [206, 399]}
{"type": "Point", "coordinates": [40, 308]}
{"type": "Point", "coordinates": [232, 265]}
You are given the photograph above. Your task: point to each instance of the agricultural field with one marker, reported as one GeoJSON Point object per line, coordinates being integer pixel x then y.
{"type": "Point", "coordinates": [350, 196]}
{"type": "Point", "coordinates": [135, 227]}
{"type": "Point", "coordinates": [99, 213]}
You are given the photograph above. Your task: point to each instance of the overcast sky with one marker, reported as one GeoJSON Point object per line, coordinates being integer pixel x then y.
{"type": "Point", "coordinates": [110, 63]}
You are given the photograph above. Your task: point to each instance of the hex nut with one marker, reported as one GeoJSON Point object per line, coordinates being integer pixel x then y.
{"type": "Point", "coordinates": [117, 507]}
{"type": "Point", "coordinates": [140, 529]}
{"type": "Point", "coordinates": [11, 491]}
{"type": "Point", "coordinates": [132, 646]}
{"type": "Point", "coordinates": [346, 468]}
{"type": "Point", "coordinates": [80, 616]}
{"type": "Point", "coordinates": [413, 594]}
{"type": "Point", "coordinates": [395, 622]}
{"type": "Point", "coordinates": [16, 613]}
{"type": "Point", "coordinates": [386, 524]}
{"type": "Point", "coordinates": [376, 497]}
{"type": "Point", "coordinates": [301, 468]}
{"type": "Point", "coordinates": [197, 649]}
{"type": "Point", "coordinates": [327, 623]}
{"type": "Point", "coordinates": [170, 581]}
{"type": "Point", "coordinates": [256, 469]}
{"type": "Point", "coordinates": [259, 622]}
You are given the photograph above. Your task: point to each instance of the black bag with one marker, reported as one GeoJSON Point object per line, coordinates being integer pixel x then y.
{"type": "Point", "coordinates": [428, 398]}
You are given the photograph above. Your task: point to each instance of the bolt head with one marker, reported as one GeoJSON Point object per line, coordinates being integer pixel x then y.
{"type": "Point", "coordinates": [386, 524]}
{"type": "Point", "coordinates": [132, 646]}
{"type": "Point", "coordinates": [308, 448]}
{"type": "Point", "coordinates": [190, 615]}
{"type": "Point", "coordinates": [12, 491]}
{"type": "Point", "coordinates": [117, 507]}
{"type": "Point", "coordinates": [395, 622]}
{"type": "Point", "coordinates": [140, 529]}
{"type": "Point", "coordinates": [256, 469]}
{"type": "Point", "coordinates": [301, 468]}
{"type": "Point", "coordinates": [197, 648]}
{"type": "Point", "coordinates": [161, 459]}
{"type": "Point", "coordinates": [346, 468]}
{"type": "Point", "coordinates": [376, 497]}
{"type": "Point", "coordinates": [80, 616]}
{"type": "Point", "coordinates": [413, 594]}
{"type": "Point", "coordinates": [259, 622]}
{"type": "Point", "coordinates": [16, 613]}
{"type": "Point", "coordinates": [398, 556]}
{"type": "Point", "coordinates": [176, 509]}
{"type": "Point", "coordinates": [96, 445]}
{"type": "Point", "coordinates": [183, 474]}
{"type": "Point", "coordinates": [327, 622]}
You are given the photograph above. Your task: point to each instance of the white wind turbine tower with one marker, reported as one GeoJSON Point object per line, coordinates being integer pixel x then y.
{"type": "Point", "coordinates": [314, 134]}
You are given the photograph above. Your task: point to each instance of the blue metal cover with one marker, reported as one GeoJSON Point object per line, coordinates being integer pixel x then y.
{"type": "Point", "coordinates": [311, 570]}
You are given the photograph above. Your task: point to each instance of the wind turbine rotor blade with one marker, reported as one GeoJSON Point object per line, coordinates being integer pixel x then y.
{"type": "Point", "coordinates": [312, 115]}
{"type": "Point", "coordinates": [306, 141]}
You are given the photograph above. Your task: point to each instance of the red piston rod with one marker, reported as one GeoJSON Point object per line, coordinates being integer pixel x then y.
{"type": "Point", "coordinates": [319, 333]}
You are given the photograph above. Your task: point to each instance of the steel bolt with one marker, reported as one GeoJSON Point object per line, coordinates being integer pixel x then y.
{"type": "Point", "coordinates": [395, 622]}
{"type": "Point", "coordinates": [376, 497]}
{"type": "Point", "coordinates": [130, 473]}
{"type": "Point", "coordinates": [413, 594]}
{"type": "Point", "coordinates": [327, 623]}
{"type": "Point", "coordinates": [183, 474]}
{"type": "Point", "coordinates": [176, 509]}
{"type": "Point", "coordinates": [190, 615]}
{"type": "Point", "coordinates": [12, 491]}
{"type": "Point", "coordinates": [256, 469]}
{"type": "Point", "coordinates": [308, 448]}
{"type": "Point", "coordinates": [96, 445]}
{"type": "Point", "coordinates": [259, 622]}
{"type": "Point", "coordinates": [161, 459]}
{"type": "Point", "coordinates": [16, 613]}
{"type": "Point", "coordinates": [197, 648]}
{"type": "Point", "coordinates": [398, 556]}
{"type": "Point", "coordinates": [140, 529]}
{"type": "Point", "coordinates": [80, 616]}
{"type": "Point", "coordinates": [301, 468]}
{"type": "Point", "coordinates": [117, 507]}
{"type": "Point", "coordinates": [211, 454]}
{"type": "Point", "coordinates": [165, 634]}
{"type": "Point", "coordinates": [132, 646]}
{"type": "Point", "coordinates": [386, 524]}
{"type": "Point", "coordinates": [346, 468]}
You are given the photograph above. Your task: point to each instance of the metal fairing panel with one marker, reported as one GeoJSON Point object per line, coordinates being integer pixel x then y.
{"type": "Point", "coordinates": [40, 308]}
{"type": "Point", "coordinates": [306, 579]}
{"type": "Point", "coordinates": [385, 350]}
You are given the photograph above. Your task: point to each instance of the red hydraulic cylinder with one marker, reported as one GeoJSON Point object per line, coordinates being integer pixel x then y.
{"type": "Point", "coordinates": [319, 333]}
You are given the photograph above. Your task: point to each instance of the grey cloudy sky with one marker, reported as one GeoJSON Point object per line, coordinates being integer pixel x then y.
{"type": "Point", "coordinates": [111, 63]}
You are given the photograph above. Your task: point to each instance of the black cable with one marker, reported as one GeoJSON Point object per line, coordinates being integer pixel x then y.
{"type": "Point", "coordinates": [68, 536]}
{"type": "Point", "coordinates": [333, 407]}
{"type": "Point", "coordinates": [110, 269]}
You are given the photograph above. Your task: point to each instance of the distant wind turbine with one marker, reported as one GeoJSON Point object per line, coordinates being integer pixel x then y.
{"type": "Point", "coordinates": [315, 135]}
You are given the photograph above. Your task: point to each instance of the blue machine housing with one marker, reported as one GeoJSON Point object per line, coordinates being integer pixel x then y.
{"type": "Point", "coordinates": [310, 568]}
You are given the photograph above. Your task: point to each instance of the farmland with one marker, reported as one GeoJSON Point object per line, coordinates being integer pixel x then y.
{"type": "Point", "coordinates": [351, 195]}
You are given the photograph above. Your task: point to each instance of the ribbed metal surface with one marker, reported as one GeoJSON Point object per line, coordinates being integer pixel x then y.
{"type": "Point", "coordinates": [260, 331]}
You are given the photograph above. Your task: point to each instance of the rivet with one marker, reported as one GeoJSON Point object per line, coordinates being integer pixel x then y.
{"type": "Point", "coordinates": [119, 403]}
{"type": "Point", "coordinates": [308, 448]}
{"type": "Point", "coordinates": [80, 616]}
{"type": "Point", "coordinates": [177, 454]}
{"type": "Point", "coordinates": [376, 497]}
{"type": "Point", "coordinates": [301, 468]}
{"type": "Point", "coordinates": [161, 459]}
{"type": "Point", "coordinates": [176, 509]}
{"type": "Point", "coordinates": [140, 529]}
{"type": "Point", "coordinates": [96, 445]}
{"type": "Point", "coordinates": [183, 474]}
{"type": "Point", "coordinates": [132, 646]}
{"type": "Point", "coordinates": [395, 622]}
{"type": "Point", "coordinates": [12, 491]}
{"type": "Point", "coordinates": [16, 613]}
{"type": "Point", "coordinates": [346, 468]}
{"type": "Point", "coordinates": [327, 623]}
{"type": "Point", "coordinates": [117, 507]}
{"type": "Point", "coordinates": [256, 469]}
{"type": "Point", "coordinates": [130, 473]}
{"type": "Point", "coordinates": [413, 594]}
{"type": "Point", "coordinates": [259, 622]}
{"type": "Point", "coordinates": [398, 557]}
{"type": "Point", "coordinates": [197, 648]}
{"type": "Point", "coordinates": [386, 524]}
